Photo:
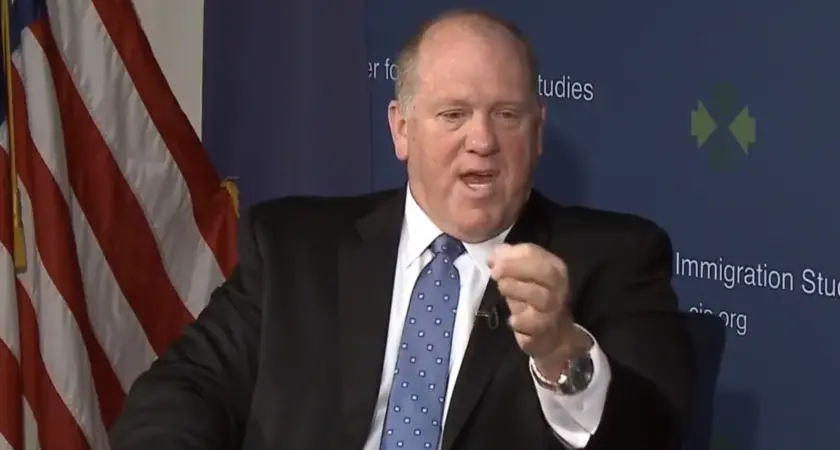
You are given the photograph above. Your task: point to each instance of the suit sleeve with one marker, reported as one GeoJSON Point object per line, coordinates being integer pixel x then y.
{"type": "Point", "coordinates": [636, 319]}
{"type": "Point", "coordinates": [197, 394]}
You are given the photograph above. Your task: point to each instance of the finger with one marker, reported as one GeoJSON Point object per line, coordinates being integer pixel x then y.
{"type": "Point", "coordinates": [533, 294]}
{"type": "Point", "coordinates": [515, 306]}
{"type": "Point", "coordinates": [529, 322]}
{"type": "Point", "coordinates": [527, 262]}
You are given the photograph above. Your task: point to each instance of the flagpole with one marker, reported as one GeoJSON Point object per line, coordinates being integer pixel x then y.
{"type": "Point", "coordinates": [19, 249]}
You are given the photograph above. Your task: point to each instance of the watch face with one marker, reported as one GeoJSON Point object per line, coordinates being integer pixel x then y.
{"type": "Point", "coordinates": [579, 375]}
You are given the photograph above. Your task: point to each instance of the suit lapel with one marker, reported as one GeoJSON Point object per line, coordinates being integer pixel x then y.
{"type": "Point", "coordinates": [366, 265]}
{"type": "Point", "coordinates": [487, 347]}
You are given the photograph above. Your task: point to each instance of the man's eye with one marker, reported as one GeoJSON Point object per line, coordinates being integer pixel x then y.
{"type": "Point", "coordinates": [509, 115]}
{"type": "Point", "coordinates": [452, 115]}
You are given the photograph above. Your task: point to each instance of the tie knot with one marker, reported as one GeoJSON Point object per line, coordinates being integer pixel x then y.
{"type": "Point", "coordinates": [447, 245]}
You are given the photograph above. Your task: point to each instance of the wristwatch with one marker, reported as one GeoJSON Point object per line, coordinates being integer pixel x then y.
{"type": "Point", "coordinates": [574, 379]}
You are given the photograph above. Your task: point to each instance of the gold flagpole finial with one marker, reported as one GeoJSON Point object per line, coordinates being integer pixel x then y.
{"type": "Point", "coordinates": [19, 243]}
{"type": "Point", "coordinates": [229, 183]}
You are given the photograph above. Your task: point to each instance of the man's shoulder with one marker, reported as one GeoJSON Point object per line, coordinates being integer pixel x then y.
{"type": "Point", "coordinates": [600, 223]}
{"type": "Point", "coordinates": [315, 213]}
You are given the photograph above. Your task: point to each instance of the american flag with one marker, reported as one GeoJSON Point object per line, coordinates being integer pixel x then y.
{"type": "Point", "coordinates": [127, 227]}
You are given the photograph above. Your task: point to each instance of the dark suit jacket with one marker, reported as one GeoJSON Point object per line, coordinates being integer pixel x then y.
{"type": "Point", "coordinates": [289, 351]}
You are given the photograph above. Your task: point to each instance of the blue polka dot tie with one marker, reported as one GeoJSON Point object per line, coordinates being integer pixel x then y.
{"type": "Point", "coordinates": [415, 407]}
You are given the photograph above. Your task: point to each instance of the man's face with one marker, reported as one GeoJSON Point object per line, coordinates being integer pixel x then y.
{"type": "Point", "coordinates": [471, 134]}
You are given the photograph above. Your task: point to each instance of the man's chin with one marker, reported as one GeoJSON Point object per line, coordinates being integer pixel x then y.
{"type": "Point", "coordinates": [477, 223]}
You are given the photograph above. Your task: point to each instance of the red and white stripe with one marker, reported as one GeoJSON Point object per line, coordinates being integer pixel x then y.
{"type": "Point", "coordinates": [127, 226]}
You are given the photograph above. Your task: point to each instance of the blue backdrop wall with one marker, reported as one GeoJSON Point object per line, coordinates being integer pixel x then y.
{"type": "Point", "coordinates": [717, 119]}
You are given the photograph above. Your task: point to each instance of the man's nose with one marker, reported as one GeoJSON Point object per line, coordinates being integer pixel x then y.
{"type": "Point", "coordinates": [481, 138]}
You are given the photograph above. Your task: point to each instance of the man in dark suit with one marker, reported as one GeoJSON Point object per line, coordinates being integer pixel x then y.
{"type": "Point", "coordinates": [464, 312]}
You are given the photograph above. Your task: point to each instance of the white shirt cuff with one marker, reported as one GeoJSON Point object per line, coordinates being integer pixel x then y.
{"type": "Point", "coordinates": [575, 418]}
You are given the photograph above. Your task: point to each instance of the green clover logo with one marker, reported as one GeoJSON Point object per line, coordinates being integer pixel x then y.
{"type": "Point", "coordinates": [724, 107]}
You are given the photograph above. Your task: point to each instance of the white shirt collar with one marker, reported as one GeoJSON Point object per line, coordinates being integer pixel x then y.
{"type": "Point", "coordinates": [419, 231]}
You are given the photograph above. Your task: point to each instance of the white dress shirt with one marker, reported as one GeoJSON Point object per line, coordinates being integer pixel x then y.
{"type": "Point", "coordinates": [573, 418]}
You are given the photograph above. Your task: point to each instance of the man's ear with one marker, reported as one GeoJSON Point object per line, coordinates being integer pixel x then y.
{"type": "Point", "coordinates": [398, 124]}
{"type": "Point", "coordinates": [539, 130]}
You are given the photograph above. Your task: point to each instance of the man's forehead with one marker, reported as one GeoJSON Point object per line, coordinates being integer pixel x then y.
{"type": "Point", "coordinates": [449, 44]}
{"type": "Point", "coordinates": [467, 30]}
{"type": "Point", "coordinates": [454, 52]}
